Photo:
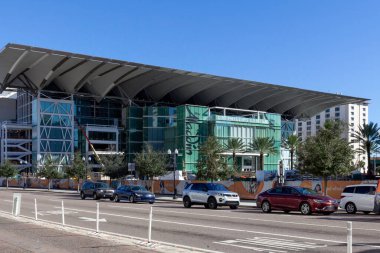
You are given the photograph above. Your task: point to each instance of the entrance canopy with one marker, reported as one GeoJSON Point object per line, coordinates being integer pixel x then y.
{"type": "Point", "coordinates": [39, 69]}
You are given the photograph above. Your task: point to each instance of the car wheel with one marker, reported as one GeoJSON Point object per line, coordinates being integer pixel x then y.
{"type": "Point", "coordinates": [366, 212]}
{"type": "Point", "coordinates": [305, 208]}
{"type": "Point", "coordinates": [116, 198]}
{"type": "Point", "coordinates": [151, 202]}
{"type": "Point", "coordinates": [265, 206]}
{"type": "Point", "coordinates": [327, 213]}
{"type": "Point", "coordinates": [350, 208]}
{"type": "Point", "coordinates": [206, 206]}
{"type": "Point", "coordinates": [186, 202]}
{"type": "Point", "coordinates": [82, 195]}
{"type": "Point", "coordinates": [233, 207]}
{"type": "Point", "coordinates": [286, 211]}
{"type": "Point", "coordinates": [132, 199]}
{"type": "Point", "coordinates": [94, 196]}
{"type": "Point", "coordinates": [212, 203]}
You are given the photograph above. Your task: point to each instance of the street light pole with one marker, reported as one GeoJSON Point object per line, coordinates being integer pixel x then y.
{"type": "Point", "coordinates": [174, 162]}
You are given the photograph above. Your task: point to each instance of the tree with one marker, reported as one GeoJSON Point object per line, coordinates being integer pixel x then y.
{"type": "Point", "coordinates": [263, 145]}
{"type": "Point", "coordinates": [7, 170]}
{"type": "Point", "coordinates": [211, 165]}
{"type": "Point", "coordinates": [151, 163]}
{"type": "Point", "coordinates": [235, 145]}
{"type": "Point", "coordinates": [291, 143]}
{"type": "Point", "coordinates": [77, 169]}
{"type": "Point", "coordinates": [49, 170]}
{"type": "Point", "coordinates": [368, 136]}
{"type": "Point", "coordinates": [326, 154]}
{"type": "Point", "coordinates": [114, 166]}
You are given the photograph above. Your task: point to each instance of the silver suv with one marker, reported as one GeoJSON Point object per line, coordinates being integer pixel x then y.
{"type": "Point", "coordinates": [210, 195]}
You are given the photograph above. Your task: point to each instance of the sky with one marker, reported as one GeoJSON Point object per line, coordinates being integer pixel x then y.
{"type": "Point", "coordinates": [324, 45]}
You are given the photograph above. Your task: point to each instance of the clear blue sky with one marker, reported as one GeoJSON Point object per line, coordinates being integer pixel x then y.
{"type": "Point", "coordinates": [324, 45]}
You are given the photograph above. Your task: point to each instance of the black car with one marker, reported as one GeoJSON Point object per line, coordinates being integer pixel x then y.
{"type": "Point", "coordinates": [96, 190]}
{"type": "Point", "coordinates": [134, 193]}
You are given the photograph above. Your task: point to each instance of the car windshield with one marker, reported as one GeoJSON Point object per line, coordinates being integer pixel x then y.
{"type": "Point", "coordinates": [307, 191]}
{"type": "Point", "coordinates": [216, 187]}
{"type": "Point", "coordinates": [101, 185]}
{"type": "Point", "coordinates": [138, 188]}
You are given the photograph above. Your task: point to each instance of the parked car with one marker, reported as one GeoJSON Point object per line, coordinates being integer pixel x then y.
{"type": "Point", "coordinates": [134, 193]}
{"type": "Point", "coordinates": [287, 198]}
{"type": "Point", "coordinates": [360, 197]}
{"type": "Point", "coordinates": [210, 195]}
{"type": "Point", "coordinates": [96, 190]}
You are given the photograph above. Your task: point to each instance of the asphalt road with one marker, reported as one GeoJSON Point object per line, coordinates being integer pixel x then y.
{"type": "Point", "coordinates": [221, 230]}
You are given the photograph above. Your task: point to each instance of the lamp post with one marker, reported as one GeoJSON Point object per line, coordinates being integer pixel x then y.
{"type": "Point", "coordinates": [174, 161]}
{"type": "Point", "coordinates": [87, 162]}
{"type": "Point", "coordinates": [25, 178]}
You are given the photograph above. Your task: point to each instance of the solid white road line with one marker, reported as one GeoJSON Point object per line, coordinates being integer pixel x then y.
{"type": "Point", "coordinates": [246, 218]}
{"type": "Point", "coordinates": [209, 227]}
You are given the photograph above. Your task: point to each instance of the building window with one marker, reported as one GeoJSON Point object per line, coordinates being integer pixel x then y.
{"type": "Point", "coordinates": [337, 109]}
{"type": "Point", "coordinates": [318, 116]}
{"type": "Point", "coordinates": [364, 109]}
{"type": "Point", "coordinates": [300, 129]}
{"type": "Point", "coordinates": [309, 123]}
{"type": "Point", "coordinates": [352, 107]}
{"type": "Point", "coordinates": [337, 114]}
{"type": "Point", "coordinates": [364, 115]}
{"type": "Point", "coordinates": [308, 128]}
{"type": "Point", "coordinates": [299, 123]}
{"type": "Point", "coordinates": [299, 134]}
{"type": "Point", "coordinates": [327, 110]}
{"type": "Point", "coordinates": [327, 115]}
{"type": "Point", "coordinates": [318, 127]}
{"type": "Point", "coordinates": [352, 118]}
{"type": "Point", "coordinates": [352, 113]}
{"type": "Point", "coordinates": [318, 122]}
{"type": "Point", "coordinates": [352, 124]}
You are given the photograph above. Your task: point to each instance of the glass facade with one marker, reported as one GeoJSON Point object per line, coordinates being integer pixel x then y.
{"type": "Point", "coordinates": [112, 126]}
{"type": "Point", "coordinates": [186, 128]}
{"type": "Point", "coordinates": [52, 130]}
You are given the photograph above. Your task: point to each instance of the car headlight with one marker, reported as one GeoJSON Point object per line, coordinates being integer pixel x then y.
{"type": "Point", "coordinates": [100, 190]}
{"type": "Point", "coordinates": [319, 201]}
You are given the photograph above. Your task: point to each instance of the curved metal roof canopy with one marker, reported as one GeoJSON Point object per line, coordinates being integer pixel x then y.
{"type": "Point", "coordinates": [42, 69]}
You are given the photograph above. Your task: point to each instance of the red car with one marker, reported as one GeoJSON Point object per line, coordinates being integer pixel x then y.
{"type": "Point", "coordinates": [289, 198]}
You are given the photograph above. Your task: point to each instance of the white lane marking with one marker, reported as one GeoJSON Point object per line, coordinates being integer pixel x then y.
{"type": "Point", "coordinates": [272, 244]}
{"type": "Point", "coordinates": [251, 248]}
{"type": "Point", "coordinates": [209, 227]}
{"type": "Point", "coordinates": [92, 219]}
{"type": "Point", "coordinates": [55, 212]}
{"type": "Point", "coordinates": [6, 200]}
{"type": "Point", "coordinates": [251, 219]}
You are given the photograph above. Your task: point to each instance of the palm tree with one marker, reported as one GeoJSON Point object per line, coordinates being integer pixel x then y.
{"type": "Point", "coordinates": [263, 145]}
{"type": "Point", "coordinates": [291, 143]}
{"type": "Point", "coordinates": [235, 145]}
{"type": "Point", "coordinates": [368, 136]}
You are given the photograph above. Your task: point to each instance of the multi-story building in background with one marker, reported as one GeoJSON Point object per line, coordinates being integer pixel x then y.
{"type": "Point", "coordinates": [70, 103]}
{"type": "Point", "coordinates": [353, 115]}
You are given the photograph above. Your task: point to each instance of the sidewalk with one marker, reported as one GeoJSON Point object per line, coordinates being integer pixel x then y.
{"type": "Point", "coordinates": [169, 198]}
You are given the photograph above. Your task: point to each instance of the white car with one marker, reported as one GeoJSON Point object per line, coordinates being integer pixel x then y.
{"type": "Point", "coordinates": [210, 195]}
{"type": "Point", "coordinates": [360, 197]}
